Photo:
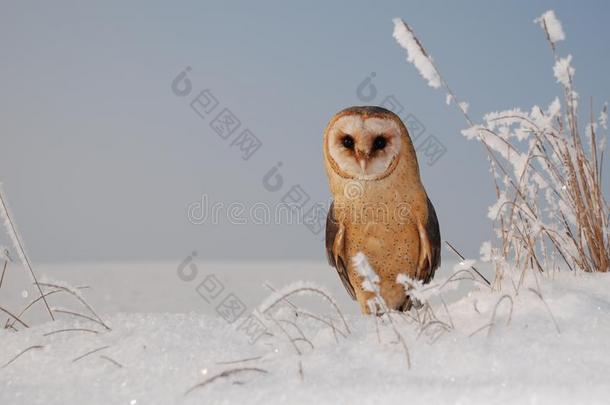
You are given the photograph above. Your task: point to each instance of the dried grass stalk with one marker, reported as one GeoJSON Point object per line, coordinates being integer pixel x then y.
{"type": "Point", "coordinates": [225, 374]}
{"type": "Point", "coordinates": [22, 353]}
{"type": "Point", "coordinates": [551, 210]}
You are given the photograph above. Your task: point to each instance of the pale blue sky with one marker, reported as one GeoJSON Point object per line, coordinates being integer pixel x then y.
{"type": "Point", "coordinates": [100, 159]}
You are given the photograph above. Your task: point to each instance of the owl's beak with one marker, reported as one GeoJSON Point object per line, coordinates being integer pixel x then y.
{"type": "Point", "coordinates": [363, 165]}
{"type": "Point", "coordinates": [362, 158]}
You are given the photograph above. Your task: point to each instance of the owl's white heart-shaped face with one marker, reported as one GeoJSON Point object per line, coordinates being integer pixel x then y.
{"type": "Point", "coordinates": [364, 148]}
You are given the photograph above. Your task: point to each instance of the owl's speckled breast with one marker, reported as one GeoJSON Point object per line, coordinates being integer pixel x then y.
{"type": "Point", "coordinates": [380, 205]}
{"type": "Point", "coordinates": [382, 224]}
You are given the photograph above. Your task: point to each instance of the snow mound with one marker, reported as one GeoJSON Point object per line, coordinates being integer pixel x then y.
{"type": "Point", "coordinates": [546, 343]}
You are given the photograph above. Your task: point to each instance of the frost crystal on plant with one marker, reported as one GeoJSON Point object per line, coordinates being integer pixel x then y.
{"type": "Point", "coordinates": [370, 280]}
{"type": "Point", "coordinates": [11, 231]}
{"type": "Point", "coordinates": [603, 117]}
{"type": "Point", "coordinates": [464, 265]}
{"type": "Point", "coordinates": [486, 251]}
{"type": "Point", "coordinates": [415, 53]}
{"type": "Point", "coordinates": [548, 183]}
{"type": "Point", "coordinates": [464, 106]}
{"type": "Point", "coordinates": [549, 21]}
{"type": "Point", "coordinates": [563, 70]}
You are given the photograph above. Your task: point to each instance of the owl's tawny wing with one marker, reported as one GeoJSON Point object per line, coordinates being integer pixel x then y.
{"type": "Point", "coordinates": [336, 259]}
{"type": "Point", "coordinates": [433, 234]}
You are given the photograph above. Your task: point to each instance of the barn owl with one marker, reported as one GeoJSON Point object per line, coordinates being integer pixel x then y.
{"type": "Point", "coordinates": [380, 207]}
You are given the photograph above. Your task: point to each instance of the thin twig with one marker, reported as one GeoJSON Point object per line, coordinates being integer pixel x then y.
{"type": "Point", "coordinates": [17, 240]}
{"type": "Point", "coordinates": [328, 323]}
{"type": "Point", "coordinates": [463, 258]}
{"type": "Point", "coordinates": [225, 374]}
{"type": "Point", "coordinates": [315, 291]}
{"type": "Point", "coordinates": [21, 353]}
{"type": "Point", "coordinates": [116, 363]}
{"type": "Point", "coordinates": [298, 329]}
{"type": "Point", "coordinates": [77, 314]}
{"type": "Point", "coordinates": [447, 311]}
{"type": "Point", "coordinates": [488, 325]}
{"type": "Point", "coordinates": [285, 332]}
{"type": "Point", "coordinates": [3, 271]}
{"type": "Point", "coordinates": [16, 318]}
{"type": "Point", "coordinates": [240, 361]}
{"type": "Point", "coordinates": [303, 339]}
{"type": "Point", "coordinates": [274, 290]}
{"type": "Point", "coordinates": [46, 294]}
{"type": "Point", "coordinates": [401, 339]}
{"type": "Point", "coordinates": [431, 323]}
{"type": "Point", "coordinates": [493, 315]}
{"type": "Point", "coordinates": [89, 353]}
{"type": "Point", "coordinates": [332, 326]}
{"type": "Point", "coordinates": [539, 295]}
{"type": "Point", "coordinates": [30, 304]}
{"type": "Point", "coordinates": [71, 330]}
{"type": "Point", "coordinates": [11, 327]}
{"type": "Point", "coordinates": [298, 311]}
{"type": "Point", "coordinates": [79, 298]}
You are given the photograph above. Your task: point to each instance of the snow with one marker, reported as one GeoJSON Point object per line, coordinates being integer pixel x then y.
{"type": "Point", "coordinates": [553, 26]}
{"type": "Point", "coordinates": [165, 339]}
{"type": "Point", "coordinates": [485, 251]}
{"type": "Point", "coordinates": [370, 283]}
{"type": "Point", "coordinates": [370, 279]}
{"type": "Point", "coordinates": [464, 106]}
{"type": "Point", "coordinates": [563, 71]}
{"type": "Point", "coordinates": [415, 53]}
{"type": "Point", "coordinates": [495, 209]}
{"type": "Point", "coordinates": [603, 117]}
{"type": "Point", "coordinates": [464, 265]}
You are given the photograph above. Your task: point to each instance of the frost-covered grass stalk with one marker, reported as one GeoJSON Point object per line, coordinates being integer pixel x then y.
{"type": "Point", "coordinates": [377, 305]}
{"type": "Point", "coordinates": [551, 211]}
{"type": "Point", "coordinates": [302, 288]}
{"type": "Point", "coordinates": [11, 230]}
{"type": "Point", "coordinates": [76, 294]}
{"type": "Point", "coordinates": [4, 259]}
{"type": "Point", "coordinates": [53, 287]}
{"type": "Point", "coordinates": [370, 283]}
{"type": "Point", "coordinates": [281, 300]}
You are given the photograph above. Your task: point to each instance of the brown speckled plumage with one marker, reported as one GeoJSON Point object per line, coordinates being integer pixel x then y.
{"type": "Point", "coordinates": [385, 215]}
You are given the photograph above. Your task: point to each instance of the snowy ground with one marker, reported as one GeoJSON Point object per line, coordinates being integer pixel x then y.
{"type": "Point", "coordinates": [165, 339]}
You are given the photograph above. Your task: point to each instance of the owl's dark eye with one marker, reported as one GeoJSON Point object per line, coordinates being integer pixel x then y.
{"type": "Point", "coordinates": [379, 143]}
{"type": "Point", "coordinates": [348, 142]}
